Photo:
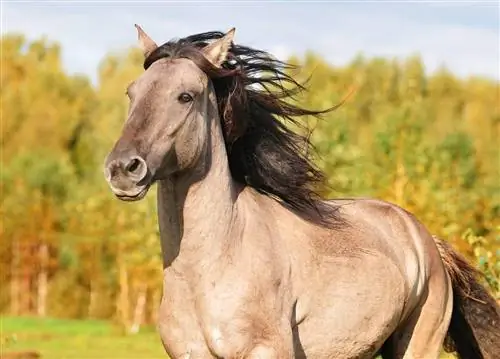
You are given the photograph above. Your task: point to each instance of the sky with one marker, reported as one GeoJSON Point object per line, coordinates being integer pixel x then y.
{"type": "Point", "coordinates": [463, 36]}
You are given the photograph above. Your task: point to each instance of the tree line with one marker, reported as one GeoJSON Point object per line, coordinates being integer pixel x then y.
{"type": "Point", "coordinates": [428, 142]}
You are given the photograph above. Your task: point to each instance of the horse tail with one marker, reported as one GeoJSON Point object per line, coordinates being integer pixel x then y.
{"type": "Point", "coordinates": [474, 331]}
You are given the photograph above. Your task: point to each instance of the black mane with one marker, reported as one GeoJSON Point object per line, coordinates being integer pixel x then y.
{"type": "Point", "coordinates": [252, 88]}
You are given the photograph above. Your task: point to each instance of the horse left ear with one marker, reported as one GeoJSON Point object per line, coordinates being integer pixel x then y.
{"type": "Point", "coordinates": [216, 52]}
{"type": "Point", "coordinates": [146, 44]}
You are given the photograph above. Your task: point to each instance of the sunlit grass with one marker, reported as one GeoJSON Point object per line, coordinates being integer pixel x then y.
{"type": "Point", "coordinates": [79, 339]}
{"type": "Point", "coordinates": [76, 339]}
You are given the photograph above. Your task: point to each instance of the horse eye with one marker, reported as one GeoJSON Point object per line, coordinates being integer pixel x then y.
{"type": "Point", "coordinates": [185, 97]}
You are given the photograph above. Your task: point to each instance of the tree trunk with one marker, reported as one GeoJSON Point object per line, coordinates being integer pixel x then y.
{"type": "Point", "coordinates": [123, 305]}
{"type": "Point", "coordinates": [14, 279]}
{"type": "Point", "coordinates": [92, 299]}
{"type": "Point", "coordinates": [140, 308]}
{"type": "Point", "coordinates": [25, 285]}
{"type": "Point", "coordinates": [43, 253]}
{"type": "Point", "coordinates": [155, 305]}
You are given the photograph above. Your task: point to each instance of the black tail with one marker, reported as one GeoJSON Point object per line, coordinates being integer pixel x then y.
{"type": "Point", "coordinates": [474, 331]}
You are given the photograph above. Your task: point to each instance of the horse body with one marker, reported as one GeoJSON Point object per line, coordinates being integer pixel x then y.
{"type": "Point", "coordinates": [254, 265]}
{"type": "Point", "coordinates": [275, 265]}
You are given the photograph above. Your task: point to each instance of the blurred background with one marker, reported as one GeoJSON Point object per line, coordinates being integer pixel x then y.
{"type": "Point", "coordinates": [81, 271]}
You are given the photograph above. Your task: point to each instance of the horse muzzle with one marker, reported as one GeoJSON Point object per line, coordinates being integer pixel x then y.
{"type": "Point", "coordinates": [128, 177]}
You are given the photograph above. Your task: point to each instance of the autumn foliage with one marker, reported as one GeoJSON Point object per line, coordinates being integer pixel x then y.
{"type": "Point", "coordinates": [70, 249]}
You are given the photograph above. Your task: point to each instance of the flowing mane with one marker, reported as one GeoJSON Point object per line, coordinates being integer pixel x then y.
{"type": "Point", "coordinates": [252, 88]}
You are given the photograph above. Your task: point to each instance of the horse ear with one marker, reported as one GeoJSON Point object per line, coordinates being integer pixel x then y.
{"type": "Point", "coordinates": [217, 51]}
{"type": "Point", "coordinates": [146, 44]}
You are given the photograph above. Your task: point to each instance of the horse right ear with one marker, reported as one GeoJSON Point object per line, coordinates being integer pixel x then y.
{"type": "Point", "coordinates": [217, 51]}
{"type": "Point", "coordinates": [146, 44]}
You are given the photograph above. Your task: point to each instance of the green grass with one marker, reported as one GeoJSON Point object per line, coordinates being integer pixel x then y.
{"type": "Point", "coordinates": [79, 339]}
{"type": "Point", "coordinates": [76, 339]}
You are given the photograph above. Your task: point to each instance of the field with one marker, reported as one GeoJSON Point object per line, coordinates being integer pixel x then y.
{"type": "Point", "coordinates": [74, 339]}
{"type": "Point", "coordinates": [33, 338]}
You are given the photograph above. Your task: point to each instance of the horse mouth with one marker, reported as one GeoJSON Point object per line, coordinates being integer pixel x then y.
{"type": "Point", "coordinates": [135, 197]}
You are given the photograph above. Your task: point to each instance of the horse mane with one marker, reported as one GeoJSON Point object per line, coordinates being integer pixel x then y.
{"type": "Point", "coordinates": [252, 89]}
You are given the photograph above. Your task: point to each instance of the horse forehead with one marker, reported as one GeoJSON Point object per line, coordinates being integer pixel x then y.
{"type": "Point", "coordinates": [175, 72]}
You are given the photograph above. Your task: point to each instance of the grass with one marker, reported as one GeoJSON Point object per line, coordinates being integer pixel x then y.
{"type": "Point", "coordinates": [79, 339]}
{"type": "Point", "coordinates": [76, 339]}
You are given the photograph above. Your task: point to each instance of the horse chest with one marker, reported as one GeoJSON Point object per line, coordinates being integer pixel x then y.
{"type": "Point", "coordinates": [200, 322]}
{"type": "Point", "coordinates": [178, 324]}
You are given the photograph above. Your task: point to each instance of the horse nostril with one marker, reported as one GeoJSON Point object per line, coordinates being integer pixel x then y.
{"type": "Point", "coordinates": [133, 165]}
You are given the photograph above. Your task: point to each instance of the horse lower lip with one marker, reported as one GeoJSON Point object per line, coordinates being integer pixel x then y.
{"type": "Point", "coordinates": [133, 197]}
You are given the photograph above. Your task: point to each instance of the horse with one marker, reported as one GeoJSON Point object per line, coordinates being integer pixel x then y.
{"type": "Point", "coordinates": [256, 263]}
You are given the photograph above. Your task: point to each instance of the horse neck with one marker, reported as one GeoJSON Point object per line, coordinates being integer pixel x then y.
{"type": "Point", "coordinates": [196, 215]}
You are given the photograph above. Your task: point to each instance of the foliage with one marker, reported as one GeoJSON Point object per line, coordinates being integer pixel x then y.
{"type": "Point", "coordinates": [70, 249]}
{"type": "Point", "coordinates": [488, 258]}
